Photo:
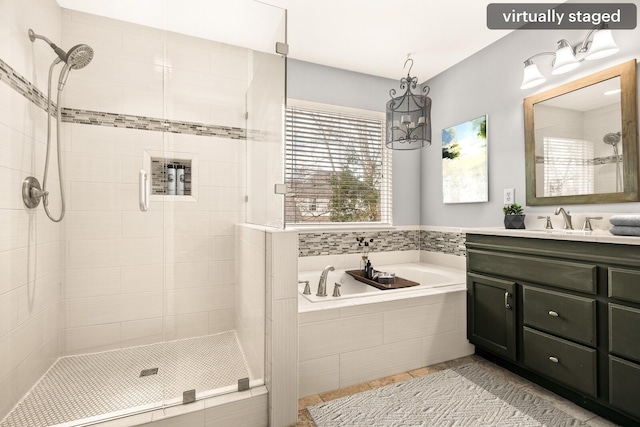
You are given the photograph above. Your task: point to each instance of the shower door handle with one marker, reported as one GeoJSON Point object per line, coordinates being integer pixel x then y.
{"type": "Point", "coordinates": [143, 189]}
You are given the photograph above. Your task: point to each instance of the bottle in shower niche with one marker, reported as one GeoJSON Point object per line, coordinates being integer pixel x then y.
{"type": "Point", "coordinates": [180, 180]}
{"type": "Point", "coordinates": [171, 179]}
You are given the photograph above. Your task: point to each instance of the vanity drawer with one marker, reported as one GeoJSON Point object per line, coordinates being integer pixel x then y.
{"type": "Point", "coordinates": [624, 284]}
{"type": "Point", "coordinates": [624, 385]}
{"type": "Point", "coordinates": [569, 316]}
{"type": "Point", "coordinates": [624, 331]}
{"type": "Point", "coordinates": [561, 274]}
{"type": "Point", "coordinates": [561, 360]}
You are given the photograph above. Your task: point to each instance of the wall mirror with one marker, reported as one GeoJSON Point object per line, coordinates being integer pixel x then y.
{"type": "Point", "coordinates": [581, 140]}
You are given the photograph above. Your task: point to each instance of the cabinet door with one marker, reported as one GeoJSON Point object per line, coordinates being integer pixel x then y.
{"type": "Point", "coordinates": [624, 385]}
{"type": "Point", "coordinates": [491, 314]}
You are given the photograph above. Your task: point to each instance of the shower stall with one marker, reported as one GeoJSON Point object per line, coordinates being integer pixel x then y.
{"type": "Point", "coordinates": [128, 296]}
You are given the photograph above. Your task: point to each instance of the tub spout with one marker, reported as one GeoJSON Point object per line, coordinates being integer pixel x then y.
{"type": "Point", "coordinates": [322, 284]}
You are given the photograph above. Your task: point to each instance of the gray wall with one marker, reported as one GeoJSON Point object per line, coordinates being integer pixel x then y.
{"type": "Point", "coordinates": [485, 83]}
{"type": "Point", "coordinates": [318, 83]}
{"type": "Point", "coordinates": [489, 83]}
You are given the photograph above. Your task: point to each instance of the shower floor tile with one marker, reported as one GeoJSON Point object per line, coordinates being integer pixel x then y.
{"type": "Point", "coordinates": [82, 387]}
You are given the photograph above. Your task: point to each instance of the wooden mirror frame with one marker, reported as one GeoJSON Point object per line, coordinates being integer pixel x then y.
{"type": "Point", "coordinates": [629, 110]}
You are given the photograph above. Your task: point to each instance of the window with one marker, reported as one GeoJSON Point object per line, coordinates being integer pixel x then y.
{"type": "Point", "coordinates": [568, 166]}
{"type": "Point", "coordinates": [337, 169]}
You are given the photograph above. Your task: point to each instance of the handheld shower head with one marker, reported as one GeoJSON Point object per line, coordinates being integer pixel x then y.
{"type": "Point", "coordinates": [77, 57]}
{"type": "Point", "coordinates": [612, 138]}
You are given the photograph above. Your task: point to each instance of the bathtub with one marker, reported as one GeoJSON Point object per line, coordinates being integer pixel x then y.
{"type": "Point", "coordinates": [430, 276]}
{"type": "Point", "coordinates": [369, 333]}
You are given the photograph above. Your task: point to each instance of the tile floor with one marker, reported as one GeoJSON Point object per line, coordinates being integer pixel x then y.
{"type": "Point", "coordinates": [591, 419]}
{"type": "Point", "coordinates": [107, 384]}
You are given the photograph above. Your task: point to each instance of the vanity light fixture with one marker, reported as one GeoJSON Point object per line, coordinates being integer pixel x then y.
{"type": "Point", "coordinates": [599, 46]}
{"type": "Point", "coordinates": [408, 116]}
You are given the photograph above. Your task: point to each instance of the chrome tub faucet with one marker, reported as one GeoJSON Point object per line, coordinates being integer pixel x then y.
{"type": "Point", "coordinates": [322, 284]}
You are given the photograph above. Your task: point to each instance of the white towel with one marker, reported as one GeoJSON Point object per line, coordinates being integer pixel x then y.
{"type": "Point", "coordinates": [627, 220]}
{"type": "Point", "coordinates": [625, 230]}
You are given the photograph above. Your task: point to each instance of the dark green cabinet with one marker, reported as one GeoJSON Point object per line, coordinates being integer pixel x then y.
{"type": "Point", "coordinates": [625, 377]}
{"type": "Point", "coordinates": [565, 361]}
{"type": "Point", "coordinates": [565, 314]}
{"type": "Point", "coordinates": [491, 320]}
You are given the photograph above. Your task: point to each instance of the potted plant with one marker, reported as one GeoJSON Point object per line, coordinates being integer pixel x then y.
{"type": "Point", "coordinates": [513, 216]}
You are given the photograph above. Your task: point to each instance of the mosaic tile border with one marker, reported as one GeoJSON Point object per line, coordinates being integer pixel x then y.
{"type": "Point", "coordinates": [595, 161]}
{"type": "Point", "coordinates": [23, 86]}
{"type": "Point", "coordinates": [338, 243]}
{"type": "Point", "coordinates": [129, 121]}
{"type": "Point", "coordinates": [98, 118]}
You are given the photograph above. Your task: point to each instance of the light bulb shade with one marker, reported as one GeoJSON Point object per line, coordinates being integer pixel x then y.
{"type": "Point", "coordinates": [565, 59]}
{"type": "Point", "coordinates": [602, 45]}
{"type": "Point", "coordinates": [532, 76]}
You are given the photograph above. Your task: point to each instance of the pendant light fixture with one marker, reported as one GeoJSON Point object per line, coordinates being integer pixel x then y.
{"type": "Point", "coordinates": [600, 46]}
{"type": "Point", "coordinates": [408, 116]}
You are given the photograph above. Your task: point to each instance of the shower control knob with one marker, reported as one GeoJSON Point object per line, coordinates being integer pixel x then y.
{"type": "Point", "coordinates": [32, 192]}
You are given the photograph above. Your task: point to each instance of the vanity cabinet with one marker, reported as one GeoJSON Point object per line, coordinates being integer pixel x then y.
{"type": "Point", "coordinates": [565, 314]}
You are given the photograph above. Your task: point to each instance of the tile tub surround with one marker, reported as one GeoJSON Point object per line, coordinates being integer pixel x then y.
{"type": "Point", "coordinates": [356, 340]}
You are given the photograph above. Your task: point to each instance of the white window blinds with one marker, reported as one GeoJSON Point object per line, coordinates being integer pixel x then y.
{"type": "Point", "coordinates": [568, 166]}
{"type": "Point", "coordinates": [337, 169]}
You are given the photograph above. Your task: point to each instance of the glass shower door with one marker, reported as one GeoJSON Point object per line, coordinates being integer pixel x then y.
{"type": "Point", "coordinates": [213, 319]}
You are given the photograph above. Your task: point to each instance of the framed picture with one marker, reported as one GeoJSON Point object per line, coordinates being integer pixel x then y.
{"type": "Point", "coordinates": [465, 167]}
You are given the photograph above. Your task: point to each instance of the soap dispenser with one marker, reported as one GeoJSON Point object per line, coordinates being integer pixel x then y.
{"type": "Point", "coordinates": [363, 263]}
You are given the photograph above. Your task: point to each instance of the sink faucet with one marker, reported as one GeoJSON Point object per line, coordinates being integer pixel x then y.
{"type": "Point", "coordinates": [566, 217]}
{"type": "Point", "coordinates": [322, 284]}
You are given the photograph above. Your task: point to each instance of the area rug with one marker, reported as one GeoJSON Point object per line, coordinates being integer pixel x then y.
{"type": "Point", "coordinates": [463, 396]}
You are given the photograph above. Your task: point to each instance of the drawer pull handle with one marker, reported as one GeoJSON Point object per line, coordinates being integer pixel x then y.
{"type": "Point", "coordinates": [506, 301]}
{"type": "Point", "coordinates": [554, 359]}
{"type": "Point", "coordinates": [553, 313]}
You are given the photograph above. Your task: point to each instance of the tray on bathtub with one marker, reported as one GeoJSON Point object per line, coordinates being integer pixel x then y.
{"type": "Point", "coordinates": [399, 282]}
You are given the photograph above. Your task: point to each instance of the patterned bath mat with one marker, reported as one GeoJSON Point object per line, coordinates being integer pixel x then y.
{"type": "Point", "coordinates": [464, 396]}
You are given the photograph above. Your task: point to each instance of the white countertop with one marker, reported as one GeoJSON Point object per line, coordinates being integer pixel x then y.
{"type": "Point", "coordinates": [599, 236]}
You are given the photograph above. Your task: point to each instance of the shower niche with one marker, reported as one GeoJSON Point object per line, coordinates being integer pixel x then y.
{"type": "Point", "coordinates": [172, 175]}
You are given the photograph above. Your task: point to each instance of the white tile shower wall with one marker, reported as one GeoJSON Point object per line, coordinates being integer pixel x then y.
{"type": "Point", "coordinates": [250, 295]}
{"type": "Point", "coordinates": [282, 326]}
{"type": "Point", "coordinates": [30, 251]}
{"type": "Point", "coordinates": [345, 346]}
{"type": "Point", "coordinates": [169, 273]}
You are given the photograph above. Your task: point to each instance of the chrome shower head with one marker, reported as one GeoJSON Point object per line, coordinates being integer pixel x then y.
{"type": "Point", "coordinates": [612, 138]}
{"type": "Point", "coordinates": [77, 57]}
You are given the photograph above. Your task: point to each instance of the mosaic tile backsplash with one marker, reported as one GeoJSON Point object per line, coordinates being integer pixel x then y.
{"type": "Point", "coordinates": [336, 243]}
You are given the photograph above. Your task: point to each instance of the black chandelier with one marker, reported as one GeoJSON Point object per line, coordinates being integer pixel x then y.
{"type": "Point", "coordinates": [408, 116]}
